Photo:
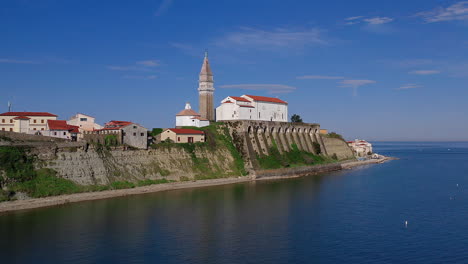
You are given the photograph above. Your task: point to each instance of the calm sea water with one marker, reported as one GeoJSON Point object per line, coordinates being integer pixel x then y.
{"type": "Point", "coordinates": [353, 216]}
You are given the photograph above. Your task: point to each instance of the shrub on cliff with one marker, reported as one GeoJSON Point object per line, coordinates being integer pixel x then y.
{"type": "Point", "coordinates": [17, 165]}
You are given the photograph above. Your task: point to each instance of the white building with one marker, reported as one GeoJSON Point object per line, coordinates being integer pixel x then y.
{"type": "Point", "coordinates": [188, 117]}
{"type": "Point", "coordinates": [84, 122]}
{"type": "Point", "coordinates": [60, 129]}
{"type": "Point", "coordinates": [25, 122]}
{"type": "Point", "coordinates": [361, 148]}
{"type": "Point", "coordinates": [252, 107]}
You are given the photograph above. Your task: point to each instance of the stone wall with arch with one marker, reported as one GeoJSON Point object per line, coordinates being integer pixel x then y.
{"type": "Point", "coordinates": [256, 138]}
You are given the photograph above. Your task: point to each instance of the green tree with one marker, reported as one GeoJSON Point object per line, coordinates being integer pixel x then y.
{"type": "Point", "coordinates": [296, 118]}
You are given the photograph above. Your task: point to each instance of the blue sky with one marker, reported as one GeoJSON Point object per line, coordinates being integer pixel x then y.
{"type": "Point", "coordinates": [380, 70]}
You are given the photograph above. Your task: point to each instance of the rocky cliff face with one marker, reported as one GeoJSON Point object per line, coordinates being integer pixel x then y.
{"type": "Point", "coordinates": [105, 166]}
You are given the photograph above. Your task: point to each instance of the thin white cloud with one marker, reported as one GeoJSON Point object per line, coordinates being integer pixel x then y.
{"type": "Point", "coordinates": [140, 77]}
{"type": "Point", "coordinates": [353, 18]}
{"type": "Point", "coordinates": [271, 39]}
{"type": "Point", "coordinates": [270, 88]}
{"type": "Point", "coordinates": [457, 11]}
{"type": "Point", "coordinates": [425, 72]}
{"type": "Point", "coordinates": [378, 20]}
{"type": "Point", "coordinates": [409, 86]}
{"type": "Point", "coordinates": [14, 61]}
{"type": "Point", "coordinates": [186, 48]}
{"type": "Point", "coordinates": [143, 66]}
{"type": "Point", "coordinates": [373, 21]}
{"type": "Point", "coordinates": [355, 84]}
{"type": "Point", "coordinates": [148, 63]}
{"type": "Point", "coordinates": [163, 7]}
{"type": "Point", "coordinates": [319, 77]}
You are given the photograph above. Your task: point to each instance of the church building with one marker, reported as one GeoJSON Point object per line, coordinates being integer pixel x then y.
{"type": "Point", "coordinates": [188, 117]}
{"type": "Point", "coordinates": [252, 107]}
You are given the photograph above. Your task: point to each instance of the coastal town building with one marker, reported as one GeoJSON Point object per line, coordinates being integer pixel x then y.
{"type": "Point", "coordinates": [361, 148]}
{"type": "Point", "coordinates": [60, 129]}
{"type": "Point", "coordinates": [25, 122]}
{"type": "Point", "coordinates": [179, 135]}
{"type": "Point", "coordinates": [252, 107]}
{"type": "Point", "coordinates": [84, 122]}
{"type": "Point", "coordinates": [188, 117]}
{"type": "Point", "coordinates": [206, 90]}
{"type": "Point", "coordinates": [120, 132]}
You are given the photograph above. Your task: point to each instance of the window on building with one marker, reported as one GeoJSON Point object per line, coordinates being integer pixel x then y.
{"type": "Point", "coordinates": [3, 120]}
{"type": "Point", "coordinates": [11, 120]}
{"type": "Point", "coordinates": [134, 134]}
{"type": "Point", "coordinates": [34, 128]}
{"type": "Point", "coordinates": [142, 134]}
{"type": "Point", "coordinates": [34, 121]}
{"type": "Point", "coordinates": [11, 129]}
{"type": "Point", "coordinates": [258, 114]}
{"type": "Point", "coordinates": [42, 128]}
{"type": "Point", "coordinates": [3, 129]}
{"type": "Point", "coordinates": [42, 121]}
{"type": "Point", "coordinates": [134, 127]}
{"type": "Point", "coordinates": [64, 133]}
{"type": "Point", "coordinates": [55, 133]}
{"type": "Point", "coordinates": [83, 119]}
{"type": "Point", "coordinates": [178, 139]}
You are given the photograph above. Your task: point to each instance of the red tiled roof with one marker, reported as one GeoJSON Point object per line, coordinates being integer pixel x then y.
{"type": "Point", "coordinates": [188, 112]}
{"type": "Point", "coordinates": [116, 125]}
{"type": "Point", "coordinates": [62, 125]}
{"type": "Point", "coordinates": [228, 102]}
{"type": "Point", "coordinates": [237, 98]}
{"type": "Point", "coordinates": [186, 131]}
{"type": "Point", "coordinates": [249, 106]}
{"type": "Point", "coordinates": [22, 117]}
{"type": "Point", "coordinates": [27, 114]}
{"type": "Point", "coordinates": [267, 99]}
{"type": "Point", "coordinates": [57, 124]}
{"type": "Point", "coordinates": [73, 129]}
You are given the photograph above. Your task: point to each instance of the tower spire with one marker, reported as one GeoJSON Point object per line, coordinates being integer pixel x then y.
{"type": "Point", "coordinates": [206, 90]}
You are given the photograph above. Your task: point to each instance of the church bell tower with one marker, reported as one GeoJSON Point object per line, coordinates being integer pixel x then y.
{"type": "Point", "coordinates": [206, 91]}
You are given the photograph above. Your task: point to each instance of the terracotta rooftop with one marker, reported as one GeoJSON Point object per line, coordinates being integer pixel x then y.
{"type": "Point", "coordinates": [27, 114]}
{"type": "Point", "coordinates": [187, 131]}
{"type": "Point", "coordinates": [115, 125]}
{"type": "Point", "coordinates": [267, 99]}
{"type": "Point", "coordinates": [188, 112]}
{"type": "Point", "coordinates": [242, 99]}
{"type": "Point", "coordinates": [62, 125]}
{"type": "Point", "coordinates": [22, 117]}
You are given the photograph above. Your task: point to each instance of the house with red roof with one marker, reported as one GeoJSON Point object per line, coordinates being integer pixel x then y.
{"type": "Point", "coordinates": [25, 122]}
{"type": "Point", "coordinates": [60, 129]}
{"type": "Point", "coordinates": [122, 132]}
{"type": "Point", "coordinates": [181, 135]}
{"type": "Point", "coordinates": [188, 117]}
{"type": "Point", "coordinates": [361, 148]}
{"type": "Point", "coordinates": [252, 107]}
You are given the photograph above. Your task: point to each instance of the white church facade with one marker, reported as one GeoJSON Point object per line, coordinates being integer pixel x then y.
{"type": "Point", "coordinates": [252, 107]}
{"type": "Point", "coordinates": [189, 117]}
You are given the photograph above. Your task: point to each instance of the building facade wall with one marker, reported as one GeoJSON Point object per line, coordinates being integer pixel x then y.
{"type": "Point", "coordinates": [36, 123]}
{"type": "Point", "coordinates": [181, 138]}
{"type": "Point", "coordinates": [84, 122]}
{"type": "Point", "coordinates": [261, 111]}
{"type": "Point", "coordinates": [136, 136]}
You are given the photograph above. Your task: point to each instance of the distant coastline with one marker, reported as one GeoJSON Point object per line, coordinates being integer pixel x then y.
{"type": "Point", "coordinates": [28, 204]}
